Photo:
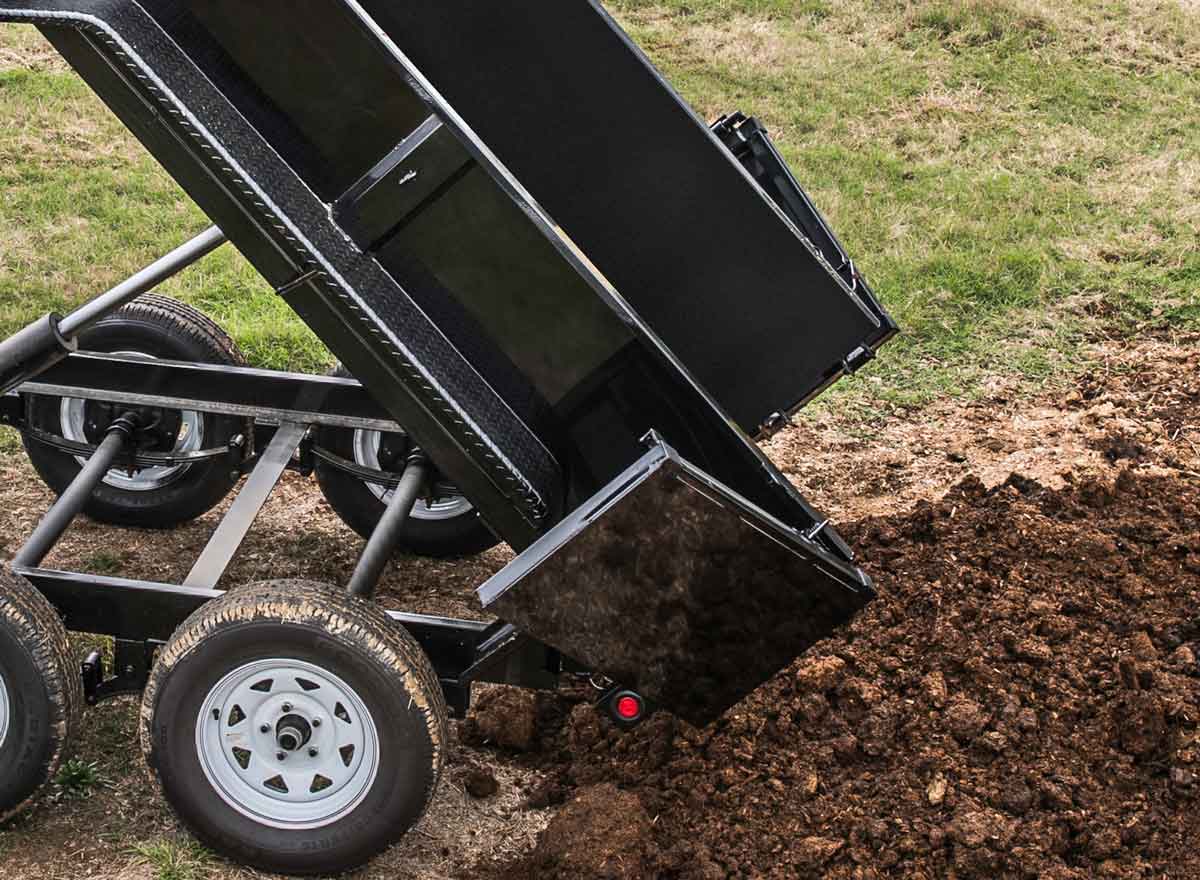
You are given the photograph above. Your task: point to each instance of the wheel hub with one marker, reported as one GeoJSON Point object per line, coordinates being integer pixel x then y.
{"type": "Point", "coordinates": [160, 430]}
{"type": "Point", "coordinates": [292, 732]}
{"type": "Point", "coordinates": [287, 744]}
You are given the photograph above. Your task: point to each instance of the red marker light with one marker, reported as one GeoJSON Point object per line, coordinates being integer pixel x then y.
{"type": "Point", "coordinates": [629, 708]}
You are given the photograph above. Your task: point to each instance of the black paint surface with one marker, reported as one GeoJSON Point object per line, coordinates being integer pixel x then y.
{"type": "Point", "coordinates": [679, 589]}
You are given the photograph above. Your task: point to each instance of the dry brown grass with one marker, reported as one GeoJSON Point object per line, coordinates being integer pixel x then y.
{"type": "Point", "coordinates": [23, 47]}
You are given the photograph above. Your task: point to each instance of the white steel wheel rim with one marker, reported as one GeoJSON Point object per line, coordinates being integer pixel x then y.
{"type": "Point", "coordinates": [447, 504]}
{"type": "Point", "coordinates": [4, 711]}
{"type": "Point", "coordinates": [247, 721]}
{"type": "Point", "coordinates": [72, 415]}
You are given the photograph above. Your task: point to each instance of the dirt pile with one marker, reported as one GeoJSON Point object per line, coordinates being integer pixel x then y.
{"type": "Point", "coordinates": [1022, 701]}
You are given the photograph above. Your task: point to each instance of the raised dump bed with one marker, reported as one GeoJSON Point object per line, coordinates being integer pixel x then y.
{"type": "Point", "coordinates": [557, 290]}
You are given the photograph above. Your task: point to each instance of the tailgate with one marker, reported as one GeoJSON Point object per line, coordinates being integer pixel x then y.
{"type": "Point", "coordinates": [672, 584]}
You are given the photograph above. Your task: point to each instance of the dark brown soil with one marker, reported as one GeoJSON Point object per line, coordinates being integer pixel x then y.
{"type": "Point", "coordinates": [604, 833]}
{"type": "Point", "coordinates": [505, 717]}
{"type": "Point", "coordinates": [1022, 701]}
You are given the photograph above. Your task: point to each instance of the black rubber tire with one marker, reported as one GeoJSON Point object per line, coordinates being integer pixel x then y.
{"type": "Point", "coordinates": [44, 693]}
{"type": "Point", "coordinates": [165, 328]}
{"type": "Point", "coordinates": [352, 638]}
{"type": "Point", "coordinates": [360, 509]}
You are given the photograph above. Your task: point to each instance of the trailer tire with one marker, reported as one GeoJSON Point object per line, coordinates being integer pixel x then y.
{"type": "Point", "coordinates": [158, 327]}
{"type": "Point", "coordinates": [291, 669]}
{"type": "Point", "coordinates": [41, 693]}
{"type": "Point", "coordinates": [447, 528]}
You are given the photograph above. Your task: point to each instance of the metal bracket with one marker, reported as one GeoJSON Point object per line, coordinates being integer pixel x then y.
{"type": "Point", "coordinates": [815, 532]}
{"type": "Point", "coordinates": [300, 281]}
{"type": "Point", "coordinates": [772, 425]}
{"type": "Point", "coordinates": [857, 359]}
{"type": "Point", "coordinates": [131, 671]}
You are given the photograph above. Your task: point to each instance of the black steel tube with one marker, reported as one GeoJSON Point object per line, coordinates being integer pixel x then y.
{"type": "Point", "coordinates": [49, 339]}
{"type": "Point", "coordinates": [32, 350]}
{"type": "Point", "coordinates": [59, 518]}
{"type": "Point", "coordinates": [382, 543]}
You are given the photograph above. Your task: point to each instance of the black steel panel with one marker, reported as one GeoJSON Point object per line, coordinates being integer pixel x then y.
{"type": "Point", "coordinates": [641, 387]}
{"type": "Point", "coordinates": [425, 162]}
{"type": "Point", "coordinates": [675, 586]}
{"type": "Point", "coordinates": [124, 609]}
{"type": "Point", "coordinates": [602, 142]}
{"type": "Point", "coordinates": [478, 251]}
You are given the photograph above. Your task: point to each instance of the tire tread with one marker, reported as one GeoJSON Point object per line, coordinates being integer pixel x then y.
{"type": "Point", "coordinates": [357, 623]}
{"type": "Point", "coordinates": [39, 629]}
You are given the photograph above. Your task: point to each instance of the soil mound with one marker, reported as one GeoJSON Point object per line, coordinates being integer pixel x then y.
{"type": "Point", "coordinates": [1022, 701]}
{"type": "Point", "coordinates": [603, 834]}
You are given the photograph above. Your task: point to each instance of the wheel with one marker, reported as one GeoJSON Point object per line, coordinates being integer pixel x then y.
{"type": "Point", "coordinates": [445, 526]}
{"type": "Point", "coordinates": [41, 694]}
{"type": "Point", "coordinates": [294, 728]}
{"type": "Point", "coordinates": [155, 497]}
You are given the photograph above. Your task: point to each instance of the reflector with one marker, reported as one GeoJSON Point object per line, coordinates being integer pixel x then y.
{"type": "Point", "coordinates": [629, 707]}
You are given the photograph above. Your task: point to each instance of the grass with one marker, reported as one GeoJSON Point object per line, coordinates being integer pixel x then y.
{"type": "Point", "coordinates": [171, 859]}
{"type": "Point", "coordinates": [1015, 177]}
{"type": "Point", "coordinates": [105, 562]}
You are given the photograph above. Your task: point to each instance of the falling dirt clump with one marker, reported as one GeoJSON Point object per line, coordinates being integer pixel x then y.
{"type": "Point", "coordinates": [1022, 701]}
{"type": "Point", "coordinates": [503, 716]}
{"type": "Point", "coordinates": [603, 834]}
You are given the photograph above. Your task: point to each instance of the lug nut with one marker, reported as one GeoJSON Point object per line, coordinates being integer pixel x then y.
{"type": "Point", "coordinates": [266, 728]}
{"type": "Point", "coordinates": [281, 756]}
{"type": "Point", "coordinates": [287, 707]}
{"type": "Point", "coordinates": [312, 753]}
{"type": "Point", "coordinates": [316, 722]}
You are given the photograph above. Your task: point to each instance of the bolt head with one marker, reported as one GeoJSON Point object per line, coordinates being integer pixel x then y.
{"type": "Point", "coordinates": [265, 728]}
{"type": "Point", "coordinates": [316, 722]}
{"type": "Point", "coordinates": [286, 707]}
{"type": "Point", "coordinates": [312, 753]}
{"type": "Point", "coordinates": [281, 756]}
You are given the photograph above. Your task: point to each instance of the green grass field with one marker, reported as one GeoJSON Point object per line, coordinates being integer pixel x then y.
{"type": "Point", "coordinates": [1015, 177]}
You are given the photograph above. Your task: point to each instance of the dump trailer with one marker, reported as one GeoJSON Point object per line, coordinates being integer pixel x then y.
{"type": "Point", "coordinates": [565, 309]}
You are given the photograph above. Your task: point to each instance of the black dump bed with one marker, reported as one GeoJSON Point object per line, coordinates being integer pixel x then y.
{"type": "Point", "coordinates": [571, 106]}
{"type": "Point", "coordinates": [530, 251]}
